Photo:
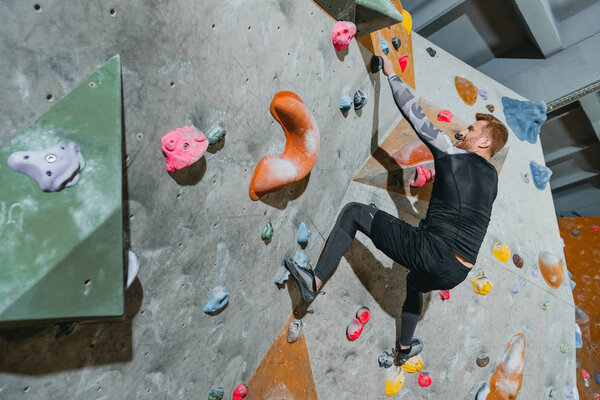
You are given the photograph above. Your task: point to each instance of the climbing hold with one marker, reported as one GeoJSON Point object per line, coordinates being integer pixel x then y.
{"type": "Point", "coordinates": [481, 284]}
{"type": "Point", "coordinates": [413, 154]}
{"type": "Point", "coordinates": [386, 360]}
{"type": "Point", "coordinates": [569, 392]}
{"type": "Point", "coordinates": [355, 327]}
{"type": "Point", "coordinates": [239, 392]}
{"type": "Point", "coordinates": [551, 268]}
{"type": "Point", "coordinates": [445, 116]}
{"type": "Point", "coordinates": [413, 365]}
{"type": "Point", "coordinates": [54, 168]}
{"type": "Point", "coordinates": [385, 47]}
{"type": "Point", "coordinates": [595, 228]}
{"type": "Point", "coordinates": [267, 232]}
{"type": "Point", "coordinates": [518, 286]}
{"type": "Point", "coordinates": [518, 261]}
{"type": "Point", "coordinates": [490, 108]}
{"type": "Point", "coordinates": [506, 381]}
{"type": "Point", "coordinates": [133, 266]}
{"type": "Point", "coordinates": [525, 118]}
{"type": "Point", "coordinates": [586, 377]}
{"type": "Point", "coordinates": [552, 392]}
{"type": "Point", "coordinates": [597, 377]}
{"type": "Point", "coordinates": [444, 295]}
{"type": "Point", "coordinates": [282, 275]}
{"type": "Point", "coordinates": [535, 271]}
{"type": "Point", "coordinates": [301, 258]}
{"type": "Point", "coordinates": [431, 51]}
{"type": "Point", "coordinates": [564, 348]}
{"type": "Point", "coordinates": [578, 338]}
{"type": "Point", "coordinates": [546, 305]}
{"type": "Point", "coordinates": [216, 393]}
{"type": "Point", "coordinates": [403, 62]}
{"type": "Point", "coordinates": [484, 93]}
{"type": "Point", "coordinates": [343, 32]}
{"type": "Point", "coordinates": [394, 381]}
{"type": "Point", "coordinates": [541, 174]}
{"type": "Point", "coordinates": [575, 233]}
{"type": "Point", "coordinates": [218, 300]}
{"type": "Point", "coordinates": [376, 65]}
{"type": "Point", "coordinates": [482, 360]}
{"type": "Point", "coordinates": [501, 251]}
{"type": "Point", "coordinates": [483, 392]}
{"type": "Point", "coordinates": [407, 21]}
{"type": "Point", "coordinates": [345, 103]}
{"type": "Point", "coordinates": [572, 284]}
{"type": "Point", "coordinates": [466, 90]}
{"type": "Point", "coordinates": [360, 99]}
{"type": "Point", "coordinates": [274, 172]}
{"type": "Point", "coordinates": [424, 379]}
{"type": "Point", "coordinates": [526, 177]}
{"type": "Point", "coordinates": [183, 147]}
{"type": "Point", "coordinates": [294, 330]}
{"type": "Point", "coordinates": [396, 42]}
{"type": "Point", "coordinates": [216, 134]}
{"type": "Point", "coordinates": [423, 176]}
{"type": "Point", "coordinates": [303, 235]}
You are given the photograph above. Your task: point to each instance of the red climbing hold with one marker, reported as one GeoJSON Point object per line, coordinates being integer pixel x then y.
{"type": "Point", "coordinates": [445, 116]}
{"type": "Point", "coordinates": [240, 392]}
{"type": "Point", "coordinates": [444, 294]}
{"type": "Point", "coordinates": [424, 379]}
{"type": "Point", "coordinates": [403, 62]}
{"type": "Point", "coordinates": [423, 176]}
{"type": "Point", "coordinates": [356, 326]}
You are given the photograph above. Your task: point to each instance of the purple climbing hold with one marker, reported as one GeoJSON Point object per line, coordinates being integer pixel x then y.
{"type": "Point", "coordinates": [54, 168]}
{"type": "Point", "coordinates": [524, 117]}
{"type": "Point", "coordinates": [526, 177]}
{"type": "Point", "coordinates": [518, 286]}
{"type": "Point", "coordinates": [376, 64]}
{"type": "Point", "coordinates": [484, 93]}
{"type": "Point", "coordinates": [360, 99]}
{"type": "Point", "coordinates": [535, 271]}
{"type": "Point", "coordinates": [385, 47]}
{"type": "Point", "coordinates": [218, 300]}
{"type": "Point", "coordinates": [431, 51]}
{"type": "Point", "coordinates": [540, 174]}
{"type": "Point", "coordinates": [396, 42]}
{"type": "Point", "coordinates": [569, 392]}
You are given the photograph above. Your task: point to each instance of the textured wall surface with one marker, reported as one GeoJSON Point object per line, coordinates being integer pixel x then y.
{"type": "Point", "coordinates": [207, 63]}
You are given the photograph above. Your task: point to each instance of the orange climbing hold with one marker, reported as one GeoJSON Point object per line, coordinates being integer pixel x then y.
{"type": "Point", "coordinates": [403, 62]}
{"type": "Point", "coordinates": [466, 90]}
{"type": "Point", "coordinates": [413, 153]}
{"type": "Point", "coordinates": [551, 269]}
{"type": "Point", "coordinates": [274, 172]}
{"type": "Point", "coordinates": [501, 251]}
{"type": "Point", "coordinates": [506, 381]}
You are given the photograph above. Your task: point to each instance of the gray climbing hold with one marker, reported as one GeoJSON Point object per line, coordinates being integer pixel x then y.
{"type": "Point", "coordinates": [215, 135]}
{"type": "Point", "coordinates": [133, 266]}
{"type": "Point", "coordinates": [282, 275]}
{"type": "Point", "coordinates": [216, 393]}
{"type": "Point", "coordinates": [385, 47]}
{"type": "Point", "coordinates": [303, 235]}
{"type": "Point", "coordinates": [294, 330]}
{"type": "Point", "coordinates": [360, 99]}
{"type": "Point", "coordinates": [396, 42]}
{"type": "Point", "coordinates": [54, 168]}
{"type": "Point", "coordinates": [218, 300]}
{"type": "Point", "coordinates": [431, 51]}
{"type": "Point", "coordinates": [376, 64]}
{"type": "Point", "coordinates": [386, 359]}
{"type": "Point", "coordinates": [301, 258]}
{"type": "Point", "coordinates": [345, 103]}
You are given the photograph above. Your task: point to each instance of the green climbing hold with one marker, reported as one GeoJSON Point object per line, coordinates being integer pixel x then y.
{"type": "Point", "coordinates": [552, 392]}
{"type": "Point", "coordinates": [267, 232]}
{"type": "Point", "coordinates": [216, 393]}
{"type": "Point", "coordinates": [564, 348]}
{"type": "Point", "coordinates": [215, 135]}
{"type": "Point", "coordinates": [546, 305]}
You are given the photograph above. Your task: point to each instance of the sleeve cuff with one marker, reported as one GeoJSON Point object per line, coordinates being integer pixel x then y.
{"type": "Point", "coordinates": [391, 76]}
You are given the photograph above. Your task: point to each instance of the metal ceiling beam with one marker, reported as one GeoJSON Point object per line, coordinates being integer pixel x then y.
{"type": "Point", "coordinates": [541, 24]}
{"type": "Point", "coordinates": [591, 106]}
{"type": "Point", "coordinates": [429, 12]}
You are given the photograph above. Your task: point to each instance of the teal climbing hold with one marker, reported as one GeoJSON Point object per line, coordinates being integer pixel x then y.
{"type": "Point", "coordinates": [540, 174]}
{"type": "Point", "coordinates": [215, 135]}
{"type": "Point", "coordinates": [385, 47]}
{"type": "Point", "coordinates": [525, 118]}
{"type": "Point", "coordinates": [216, 393]}
{"type": "Point", "coordinates": [267, 232]}
{"type": "Point", "coordinates": [303, 235]}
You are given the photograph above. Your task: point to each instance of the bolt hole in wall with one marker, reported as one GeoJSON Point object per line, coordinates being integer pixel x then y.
{"type": "Point", "coordinates": [172, 84]}
{"type": "Point", "coordinates": [92, 84]}
{"type": "Point", "coordinates": [37, 7]}
{"type": "Point", "coordinates": [112, 12]}
{"type": "Point", "coordinates": [49, 97]}
{"type": "Point", "coordinates": [87, 282]}
{"type": "Point", "coordinates": [213, 26]}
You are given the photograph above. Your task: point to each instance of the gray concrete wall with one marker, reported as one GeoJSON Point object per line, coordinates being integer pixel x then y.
{"type": "Point", "coordinates": [226, 61]}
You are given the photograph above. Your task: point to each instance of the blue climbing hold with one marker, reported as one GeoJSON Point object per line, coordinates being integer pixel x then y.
{"type": "Point", "coordinates": [524, 117]}
{"type": "Point", "coordinates": [575, 233]}
{"type": "Point", "coordinates": [573, 284]}
{"type": "Point", "coordinates": [218, 300]}
{"type": "Point", "coordinates": [303, 235]}
{"type": "Point", "coordinates": [385, 47]}
{"type": "Point", "coordinates": [301, 258]}
{"type": "Point", "coordinates": [540, 174]}
{"type": "Point", "coordinates": [346, 103]}
{"type": "Point", "coordinates": [597, 377]}
{"type": "Point", "coordinates": [578, 339]}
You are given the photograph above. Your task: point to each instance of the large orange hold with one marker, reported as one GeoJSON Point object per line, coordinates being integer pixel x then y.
{"type": "Point", "coordinates": [508, 377]}
{"type": "Point", "coordinates": [466, 90]}
{"type": "Point", "coordinates": [274, 172]}
{"type": "Point", "coordinates": [551, 269]}
{"type": "Point", "coordinates": [413, 153]}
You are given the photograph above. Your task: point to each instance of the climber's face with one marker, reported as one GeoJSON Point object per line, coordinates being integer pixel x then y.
{"type": "Point", "coordinates": [473, 138]}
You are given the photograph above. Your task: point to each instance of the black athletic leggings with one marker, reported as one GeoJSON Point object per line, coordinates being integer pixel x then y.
{"type": "Point", "coordinates": [353, 217]}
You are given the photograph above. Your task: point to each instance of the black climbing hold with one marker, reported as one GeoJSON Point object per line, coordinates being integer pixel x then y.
{"type": "Point", "coordinates": [396, 42]}
{"type": "Point", "coordinates": [376, 64]}
{"type": "Point", "coordinates": [431, 52]}
{"type": "Point", "coordinates": [360, 99]}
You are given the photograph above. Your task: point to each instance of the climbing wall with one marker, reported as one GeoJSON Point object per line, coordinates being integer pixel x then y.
{"type": "Point", "coordinates": [208, 64]}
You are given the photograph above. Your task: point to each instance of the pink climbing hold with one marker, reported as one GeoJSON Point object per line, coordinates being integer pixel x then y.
{"type": "Point", "coordinates": [445, 116]}
{"type": "Point", "coordinates": [240, 392]}
{"type": "Point", "coordinates": [424, 379]}
{"type": "Point", "coordinates": [403, 62]}
{"type": "Point", "coordinates": [595, 228]}
{"type": "Point", "coordinates": [183, 147]}
{"type": "Point", "coordinates": [356, 326]}
{"type": "Point", "coordinates": [444, 295]}
{"type": "Point", "coordinates": [423, 176]}
{"type": "Point", "coordinates": [585, 374]}
{"type": "Point", "coordinates": [342, 35]}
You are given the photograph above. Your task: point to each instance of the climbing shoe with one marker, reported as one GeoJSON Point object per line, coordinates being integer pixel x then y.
{"type": "Point", "coordinates": [305, 278]}
{"type": "Point", "coordinates": [416, 346]}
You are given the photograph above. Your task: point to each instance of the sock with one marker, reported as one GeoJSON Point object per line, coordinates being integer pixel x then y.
{"type": "Point", "coordinates": [405, 351]}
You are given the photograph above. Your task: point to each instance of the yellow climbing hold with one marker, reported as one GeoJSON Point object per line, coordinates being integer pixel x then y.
{"type": "Point", "coordinates": [413, 365]}
{"type": "Point", "coordinates": [406, 21]}
{"type": "Point", "coordinates": [501, 251]}
{"type": "Point", "coordinates": [481, 283]}
{"type": "Point", "coordinates": [394, 381]}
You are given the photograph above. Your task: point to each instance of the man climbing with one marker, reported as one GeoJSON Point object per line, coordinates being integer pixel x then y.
{"type": "Point", "coordinates": [442, 250]}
